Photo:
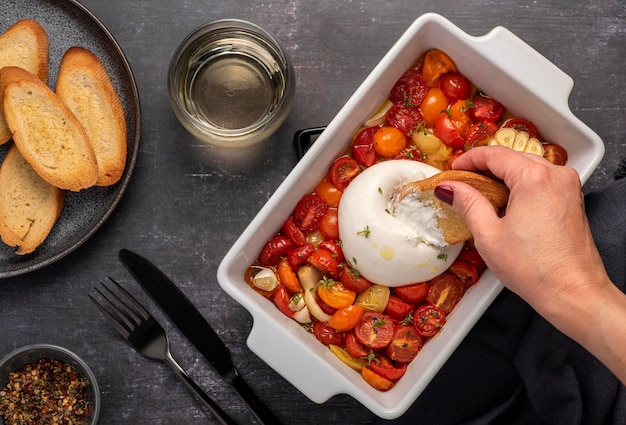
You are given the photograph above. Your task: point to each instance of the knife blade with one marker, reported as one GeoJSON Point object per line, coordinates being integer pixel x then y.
{"type": "Point", "coordinates": [194, 326]}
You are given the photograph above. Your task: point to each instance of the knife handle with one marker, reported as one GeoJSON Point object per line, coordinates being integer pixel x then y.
{"type": "Point", "coordinates": [263, 414]}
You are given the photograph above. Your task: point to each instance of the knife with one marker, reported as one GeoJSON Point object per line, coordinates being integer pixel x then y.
{"type": "Point", "coordinates": [194, 326]}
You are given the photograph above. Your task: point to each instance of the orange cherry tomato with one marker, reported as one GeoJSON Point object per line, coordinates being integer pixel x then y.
{"type": "Point", "coordinates": [432, 105]}
{"type": "Point", "coordinates": [389, 141]}
{"type": "Point", "coordinates": [556, 154]}
{"type": "Point", "coordinates": [329, 224]}
{"type": "Point", "coordinates": [436, 63]}
{"type": "Point", "coordinates": [288, 277]}
{"type": "Point", "coordinates": [329, 193]}
{"type": "Point", "coordinates": [460, 116]}
{"type": "Point", "coordinates": [335, 294]}
{"type": "Point", "coordinates": [375, 380]}
{"type": "Point", "coordinates": [346, 318]}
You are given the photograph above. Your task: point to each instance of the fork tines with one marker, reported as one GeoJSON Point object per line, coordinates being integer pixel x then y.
{"type": "Point", "coordinates": [124, 317]}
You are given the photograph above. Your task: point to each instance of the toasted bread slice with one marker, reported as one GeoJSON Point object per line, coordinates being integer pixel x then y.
{"type": "Point", "coordinates": [48, 135]}
{"type": "Point", "coordinates": [29, 205]}
{"type": "Point", "coordinates": [86, 88]}
{"type": "Point", "coordinates": [454, 228]}
{"type": "Point", "coordinates": [25, 45]}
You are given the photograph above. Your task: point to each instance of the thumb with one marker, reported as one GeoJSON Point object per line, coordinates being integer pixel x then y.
{"type": "Point", "coordinates": [470, 204]}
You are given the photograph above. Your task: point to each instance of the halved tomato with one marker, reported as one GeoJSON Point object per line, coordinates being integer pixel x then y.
{"type": "Point", "coordinates": [436, 63]}
{"type": "Point", "coordinates": [335, 294]}
{"type": "Point", "coordinates": [405, 344]}
{"type": "Point", "coordinates": [556, 154]}
{"type": "Point", "coordinates": [292, 232]}
{"type": "Point", "coordinates": [309, 211]}
{"type": "Point", "coordinates": [327, 335]}
{"type": "Point", "coordinates": [375, 380]}
{"type": "Point", "coordinates": [465, 271]}
{"type": "Point", "coordinates": [479, 132]}
{"type": "Point", "coordinates": [428, 320]}
{"type": "Point", "coordinates": [520, 124]}
{"type": "Point", "coordinates": [354, 347]}
{"type": "Point", "coordinates": [397, 308]}
{"type": "Point", "coordinates": [363, 146]}
{"type": "Point", "coordinates": [409, 90]}
{"type": "Point", "coordinates": [407, 120]}
{"type": "Point", "coordinates": [445, 291]}
{"type": "Point", "coordinates": [486, 109]}
{"type": "Point", "coordinates": [375, 330]}
{"type": "Point", "coordinates": [342, 172]}
{"type": "Point", "coordinates": [273, 249]}
{"type": "Point", "coordinates": [346, 318]}
{"type": "Point", "coordinates": [382, 366]}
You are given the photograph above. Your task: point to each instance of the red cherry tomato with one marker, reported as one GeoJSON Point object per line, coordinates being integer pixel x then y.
{"type": "Point", "coordinates": [281, 299]}
{"type": "Point", "coordinates": [325, 262]}
{"type": "Point", "coordinates": [415, 293]}
{"type": "Point", "coordinates": [556, 154]}
{"type": "Point", "coordinates": [363, 146]}
{"type": "Point", "coordinates": [299, 255]}
{"type": "Point", "coordinates": [351, 279]}
{"type": "Point", "coordinates": [455, 86]}
{"type": "Point", "coordinates": [327, 335]}
{"type": "Point", "coordinates": [480, 131]}
{"type": "Point", "coordinates": [354, 347]}
{"type": "Point", "coordinates": [343, 170]}
{"type": "Point", "coordinates": [465, 271]}
{"type": "Point", "coordinates": [486, 109]}
{"type": "Point", "coordinates": [275, 248]}
{"type": "Point", "coordinates": [382, 366]}
{"type": "Point", "coordinates": [407, 120]}
{"type": "Point", "coordinates": [472, 256]}
{"type": "Point", "coordinates": [329, 224]}
{"type": "Point", "coordinates": [521, 124]}
{"type": "Point", "coordinates": [397, 309]}
{"type": "Point", "coordinates": [405, 344]}
{"type": "Point", "coordinates": [445, 291]}
{"type": "Point", "coordinates": [409, 90]}
{"type": "Point", "coordinates": [293, 233]}
{"type": "Point", "coordinates": [452, 158]}
{"type": "Point", "coordinates": [329, 192]}
{"type": "Point", "coordinates": [428, 320]}
{"type": "Point", "coordinates": [447, 132]}
{"type": "Point", "coordinates": [334, 248]}
{"type": "Point", "coordinates": [375, 330]}
{"type": "Point", "coordinates": [308, 212]}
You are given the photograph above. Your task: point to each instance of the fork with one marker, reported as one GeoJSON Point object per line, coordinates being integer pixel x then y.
{"type": "Point", "coordinates": [148, 337]}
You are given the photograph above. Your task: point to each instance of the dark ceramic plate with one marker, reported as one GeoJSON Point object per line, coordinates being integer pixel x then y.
{"type": "Point", "coordinates": [67, 24]}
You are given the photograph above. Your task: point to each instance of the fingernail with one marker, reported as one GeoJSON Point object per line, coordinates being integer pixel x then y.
{"type": "Point", "coordinates": [445, 194]}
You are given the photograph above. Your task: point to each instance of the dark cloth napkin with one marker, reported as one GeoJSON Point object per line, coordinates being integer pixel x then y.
{"type": "Point", "coordinates": [515, 368]}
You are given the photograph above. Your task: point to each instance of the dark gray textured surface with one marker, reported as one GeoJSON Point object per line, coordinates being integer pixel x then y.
{"type": "Point", "coordinates": [187, 202]}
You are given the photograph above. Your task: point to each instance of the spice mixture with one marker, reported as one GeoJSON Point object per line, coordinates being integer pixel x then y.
{"type": "Point", "coordinates": [45, 392]}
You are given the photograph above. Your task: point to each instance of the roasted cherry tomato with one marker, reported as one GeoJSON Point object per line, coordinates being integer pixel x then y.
{"type": "Point", "coordinates": [287, 276]}
{"type": "Point", "coordinates": [343, 170]}
{"type": "Point", "coordinates": [335, 294]}
{"type": "Point", "coordinates": [405, 344]}
{"type": "Point", "coordinates": [292, 232]}
{"type": "Point", "coordinates": [428, 320]}
{"type": "Point", "coordinates": [520, 124]}
{"type": "Point", "coordinates": [433, 104]}
{"type": "Point", "coordinates": [329, 192]}
{"type": "Point", "coordinates": [382, 366]}
{"type": "Point", "coordinates": [299, 255]}
{"type": "Point", "coordinates": [447, 132]}
{"type": "Point", "coordinates": [453, 158]}
{"type": "Point", "coordinates": [460, 117]}
{"type": "Point", "coordinates": [275, 248]}
{"type": "Point", "coordinates": [436, 63]}
{"type": "Point", "coordinates": [465, 271]}
{"type": "Point", "coordinates": [351, 279]}
{"type": "Point", "coordinates": [397, 309]}
{"type": "Point", "coordinates": [329, 224]}
{"type": "Point", "coordinates": [327, 335]}
{"type": "Point", "coordinates": [363, 146]}
{"type": "Point", "coordinates": [281, 299]}
{"type": "Point", "coordinates": [472, 256]}
{"type": "Point", "coordinates": [415, 293]}
{"type": "Point", "coordinates": [478, 132]}
{"type": "Point", "coordinates": [445, 291]}
{"type": "Point", "coordinates": [409, 90]}
{"type": "Point", "coordinates": [354, 347]}
{"type": "Point", "coordinates": [346, 318]}
{"type": "Point", "coordinates": [325, 307]}
{"type": "Point", "coordinates": [407, 120]}
{"type": "Point", "coordinates": [334, 248]}
{"type": "Point", "coordinates": [486, 109]}
{"type": "Point", "coordinates": [309, 211]}
{"type": "Point", "coordinates": [375, 330]}
{"type": "Point", "coordinates": [556, 154]}
{"type": "Point", "coordinates": [455, 86]}
{"type": "Point", "coordinates": [325, 262]}
{"type": "Point", "coordinates": [375, 380]}
{"type": "Point", "coordinates": [389, 141]}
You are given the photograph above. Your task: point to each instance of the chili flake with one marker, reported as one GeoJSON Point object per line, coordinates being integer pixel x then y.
{"type": "Point", "coordinates": [44, 392]}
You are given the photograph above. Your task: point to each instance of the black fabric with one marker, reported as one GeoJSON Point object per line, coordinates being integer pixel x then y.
{"type": "Point", "coordinates": [515, 368]}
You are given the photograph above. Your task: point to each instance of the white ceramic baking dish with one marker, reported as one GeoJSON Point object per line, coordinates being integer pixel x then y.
{"type": "Point", "coordinates": [504, 67]}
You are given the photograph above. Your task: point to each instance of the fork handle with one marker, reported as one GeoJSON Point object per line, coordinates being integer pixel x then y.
{"type": "Point", "coordinates": [217, 411]}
